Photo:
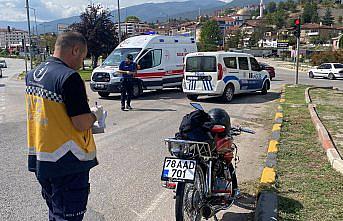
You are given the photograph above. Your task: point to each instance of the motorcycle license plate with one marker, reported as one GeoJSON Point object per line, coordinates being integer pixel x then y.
{"type": "Point", "coordinates": [178, 170]}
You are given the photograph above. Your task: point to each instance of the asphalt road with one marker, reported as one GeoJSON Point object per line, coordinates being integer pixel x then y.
{"type": "Point", "coordinates": [287, 76]}
{"type": "Point", "coordinates": [125, 186]}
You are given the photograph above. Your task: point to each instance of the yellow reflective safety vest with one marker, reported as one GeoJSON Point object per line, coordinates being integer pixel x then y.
{"type": "Point", "coordinates": [56, 148]}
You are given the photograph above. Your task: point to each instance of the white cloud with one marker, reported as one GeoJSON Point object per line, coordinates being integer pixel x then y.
{"type": "Point", "coordinates": [12, 10]}
{"type": "Point", "coordinates": [55, 9]}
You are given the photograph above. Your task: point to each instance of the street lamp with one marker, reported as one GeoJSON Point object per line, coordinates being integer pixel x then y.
{"type": "Point", "coordinates": [34, 12]}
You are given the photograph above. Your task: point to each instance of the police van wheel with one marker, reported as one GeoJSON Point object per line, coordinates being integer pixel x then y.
{"type": "Point", "coordinates": [103, 94]}
{"type": "Point", "coordinates": [192, 97]}
{"type": "Point", "coordinates": [265, 88]}
{"type": "Point", "coordinates": [228, 93]}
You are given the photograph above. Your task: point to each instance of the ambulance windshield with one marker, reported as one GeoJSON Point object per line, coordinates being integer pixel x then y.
{"type": "Point", "coordinates": [119, 55]}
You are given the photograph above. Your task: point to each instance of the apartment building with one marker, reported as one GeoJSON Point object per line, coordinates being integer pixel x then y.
{"type": "Point", "coordinates": [12, 38]}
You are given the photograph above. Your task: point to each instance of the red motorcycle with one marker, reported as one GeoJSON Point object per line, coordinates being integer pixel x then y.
{"type": "Point", "coordinates": [203, 173]}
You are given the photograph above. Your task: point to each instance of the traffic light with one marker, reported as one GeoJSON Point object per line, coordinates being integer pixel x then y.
{"type": "Point", "coordinates": [297, 28]}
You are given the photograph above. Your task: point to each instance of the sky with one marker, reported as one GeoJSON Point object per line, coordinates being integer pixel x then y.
{"type": "Point", "coordinates": [47, 10]}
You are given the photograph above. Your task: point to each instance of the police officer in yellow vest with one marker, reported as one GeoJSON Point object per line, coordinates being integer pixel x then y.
{"type": "Point", "coordinates": [59, 121]}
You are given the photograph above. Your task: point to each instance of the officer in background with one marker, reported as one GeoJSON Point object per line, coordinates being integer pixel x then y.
{"type": "Point", "coordinates": [128, 69]}
{"type": "Point", "coordinates": [60, 140]}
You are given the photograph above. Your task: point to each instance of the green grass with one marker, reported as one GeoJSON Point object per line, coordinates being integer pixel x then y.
{"type": "Point", "coordinates": [308, 188]}
{"type": "Point", "coordinates": [21, 76]}
{"type": "Point", "coordinates": [86, 74]}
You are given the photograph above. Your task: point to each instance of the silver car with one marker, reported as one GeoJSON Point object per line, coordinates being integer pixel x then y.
{"type": "Point", "coordinates": [327, 70]}
{"type": "Point", "coordinates": [3, 64]}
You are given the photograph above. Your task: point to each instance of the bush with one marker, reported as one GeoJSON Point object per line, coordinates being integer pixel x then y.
{"type": "Point", "coordinates": [207, 47]}
{"type": "Point", "coordinates": [327, 57]}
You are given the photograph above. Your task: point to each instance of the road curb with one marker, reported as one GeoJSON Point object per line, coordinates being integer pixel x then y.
{"type": "Point", "coordinates": [328, 144]}
{"type": "Point", "coordinates": [267, 201]}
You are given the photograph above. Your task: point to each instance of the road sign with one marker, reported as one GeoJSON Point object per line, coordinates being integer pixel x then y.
{"type": "Point", "coordinates": [282, 43]}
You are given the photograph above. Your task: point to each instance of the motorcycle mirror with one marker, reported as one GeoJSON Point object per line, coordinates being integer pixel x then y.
{"type": "Point", "coordinates": [197, 106]}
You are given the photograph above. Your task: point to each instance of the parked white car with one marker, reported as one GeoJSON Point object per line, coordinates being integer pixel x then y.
{"type": "Point", "coordinates": [327, 70]}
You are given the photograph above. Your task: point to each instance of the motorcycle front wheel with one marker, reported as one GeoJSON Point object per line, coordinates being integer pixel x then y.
{"type": "Point", "coordinates": [189, 197]}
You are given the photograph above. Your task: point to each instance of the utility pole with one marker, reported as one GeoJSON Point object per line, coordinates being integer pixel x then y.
{"type": "Point", "coordinates": [119, 26]}
{"type": "Point", "coordinates": [224, 37]}
{"type": "Point", "coordinates": [25, 51]}
{"type": "Point", "coordinates": [28, 25]}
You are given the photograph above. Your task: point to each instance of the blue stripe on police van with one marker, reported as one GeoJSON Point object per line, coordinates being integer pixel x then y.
{"type": "Point", "coordinates": [204, 84]}
{"type": "Point", "coordinates": [246, 84]}
{"type": "Point", "coordinates": [211, 87]}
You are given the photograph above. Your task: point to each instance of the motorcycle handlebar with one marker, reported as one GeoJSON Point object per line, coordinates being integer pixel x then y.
{"type": "Point", "coordinates": [242, 129]}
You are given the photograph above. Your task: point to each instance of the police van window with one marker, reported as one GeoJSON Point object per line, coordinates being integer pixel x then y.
{"type": "Point", "coordinates": [255, 66]}
{"type": "Point", "coordinates": [243, 63]}
{"type": "Point", "coordinates": [230, 62]}
{"type": "Point", "coordinates": [201, 64]}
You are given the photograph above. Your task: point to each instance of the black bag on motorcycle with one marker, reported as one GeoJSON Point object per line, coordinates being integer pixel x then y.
{"type": "Point", "coordinates": [195, 126]}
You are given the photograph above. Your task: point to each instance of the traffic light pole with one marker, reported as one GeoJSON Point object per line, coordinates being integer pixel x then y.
{"type": "Point", "coordinates": [297, 68]}
{"type": "Point", "coordinates": [297, 33]}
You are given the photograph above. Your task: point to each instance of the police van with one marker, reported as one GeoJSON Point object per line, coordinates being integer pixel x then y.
{"type": "Point", "coordinates": [223, 74]}
{"type": "Point", "coordinates": [159, 59]}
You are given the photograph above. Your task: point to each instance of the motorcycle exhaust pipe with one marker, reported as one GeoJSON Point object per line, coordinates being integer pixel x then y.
{"type": "Point", "coordinates": [207, 211]}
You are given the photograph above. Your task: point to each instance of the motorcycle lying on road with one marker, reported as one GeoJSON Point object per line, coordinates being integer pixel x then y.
{"type": "Point", "coordinates": [203, 173]}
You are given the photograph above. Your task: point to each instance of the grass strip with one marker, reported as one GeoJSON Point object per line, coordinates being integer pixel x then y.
{"type": "Point", "coordinates": [308, 188]}
{"type": "Point", "coordinates": [85, 74]}
{"type": "Point", "coordinates": [329, 104]}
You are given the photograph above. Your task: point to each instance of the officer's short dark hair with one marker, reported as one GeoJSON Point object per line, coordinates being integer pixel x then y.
{"type": "Point", "coordinates": [69, 40]}
{"type": "Point", "coordinates": [130, 57]}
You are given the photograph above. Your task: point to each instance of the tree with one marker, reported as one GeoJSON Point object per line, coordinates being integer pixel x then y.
{"type": "Point", "coordinates": [291, 5]}
{"type": "Point", "coordinates": [328, 19]}
{"type": "Point", "coordinates": [271, 7]}
{"type": "Point", "coordinates": [310, 13]}
{"type": "Point", "coordinates": [210, 35]}
{"type": "Point", "coordinates": [277, 18]}
{"type": "Point", "coordinates": [234, 40]}
{"type": "Point", "coordinates": [132, 18]}
{"type": "Point", "coordinates": [340, 19]}
{"type": "Point", "coordinates": [340, 44]}
{"type": "Point", "coordinates": [99, 30]}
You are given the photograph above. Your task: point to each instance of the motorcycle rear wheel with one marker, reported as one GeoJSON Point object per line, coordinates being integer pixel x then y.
{"type": "Point", "coordinates": [189, 197]}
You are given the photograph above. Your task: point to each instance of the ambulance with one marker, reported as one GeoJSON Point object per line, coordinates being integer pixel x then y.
{"type": "Point", "coordinates": [223, 74]}
{"type": "Point", "coordinates": [159, 60]}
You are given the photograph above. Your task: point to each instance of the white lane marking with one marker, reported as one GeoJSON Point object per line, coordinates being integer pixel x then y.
{"type": "Point", "coordinates": [157, 201]}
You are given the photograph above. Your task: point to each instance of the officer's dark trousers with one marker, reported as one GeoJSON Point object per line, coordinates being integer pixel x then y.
{"type": "Point", "coordinates": [126, 91]}
{"type": "Point", "coordinates": [66, 196]}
